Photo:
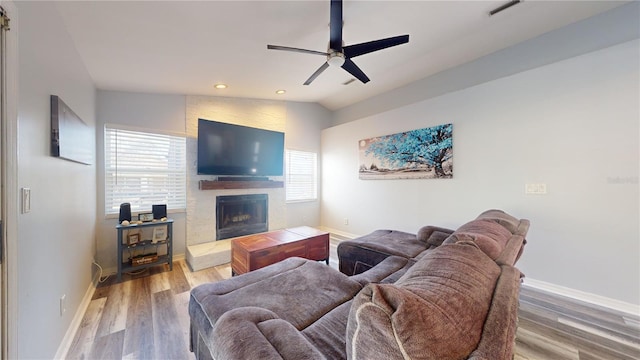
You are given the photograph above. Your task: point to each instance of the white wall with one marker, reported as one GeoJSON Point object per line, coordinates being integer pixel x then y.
{"type": "Point", "coordinates": [305, 121]}
{"type": "Point", "coordinates": [572, 124]}
{"type": "Point", "coordinates": [145, 112]}
{"type": "Point", "coordinates": [604, 30]}
{"type": "Point", "coordinates": [56, 239]}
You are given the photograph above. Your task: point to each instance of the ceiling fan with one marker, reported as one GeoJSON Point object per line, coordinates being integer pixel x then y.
{"type": "Point", "coordinates": [339, 55]}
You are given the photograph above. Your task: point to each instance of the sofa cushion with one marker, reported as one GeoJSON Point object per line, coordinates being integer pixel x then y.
{"type": "Point", "coordinates": [392, 242]}
{"type": "Point", "coordinates": [490, 236]}
{"type": "Point", "coordinates": [436, 310]}
{"type": "Point", "coordinates": [327, 334]}
{"type": "Point", "coordinates": [282, 288]}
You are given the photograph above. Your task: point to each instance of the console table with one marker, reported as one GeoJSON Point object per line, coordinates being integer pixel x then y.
{"type": "Point", "coordinates": [145, 246]}
{"type": "Point", "coordinates": [255, 251]}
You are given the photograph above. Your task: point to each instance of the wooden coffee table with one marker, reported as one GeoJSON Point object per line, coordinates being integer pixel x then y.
{"type": "Point", "coordinates": [255, 251]}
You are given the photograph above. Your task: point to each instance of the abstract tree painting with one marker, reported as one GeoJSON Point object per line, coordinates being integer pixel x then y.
{"type": "Point", "coordinates": [417, 154]}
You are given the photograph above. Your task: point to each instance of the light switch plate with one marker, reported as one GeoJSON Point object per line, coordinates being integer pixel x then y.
{"type": "Point", "coordinates": [26, 200]}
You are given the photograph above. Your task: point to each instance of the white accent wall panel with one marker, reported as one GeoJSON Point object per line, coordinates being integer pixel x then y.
{"type": "Point", "coordinates": [201, 204]}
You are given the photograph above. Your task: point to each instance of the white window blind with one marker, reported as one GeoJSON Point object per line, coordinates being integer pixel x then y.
{"type": "Point", "coordinates": [301, 175]}
{"type": "Point", "coordinates": [144, 169]}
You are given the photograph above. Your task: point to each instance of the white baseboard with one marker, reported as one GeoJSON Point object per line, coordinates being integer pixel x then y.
{"type": "Point", "coordinates": [595, 299]}
{"type": "Point", "coordinates": [67, 340]}
{"type": "Point", "coordinates": [339, 234]}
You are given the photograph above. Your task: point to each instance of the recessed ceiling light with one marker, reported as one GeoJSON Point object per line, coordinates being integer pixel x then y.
{"type": "Point", "coordinates": [280, 92]}
{"type": "Point", "coordinates": [220, 86]}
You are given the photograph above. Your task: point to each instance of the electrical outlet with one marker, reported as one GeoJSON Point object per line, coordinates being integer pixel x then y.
{"type": "Point", "coordinates": [346, 221]}
{"type": "Point", "coordinates": [63, 304]}
{"type": "Point", "coordinates": [535, 189]}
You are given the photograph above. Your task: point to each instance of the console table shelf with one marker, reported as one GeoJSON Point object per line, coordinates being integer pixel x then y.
{"type": "Point", "coordinates": [257, 184]}
{"type": "Point", "coordinates": [143, 245]}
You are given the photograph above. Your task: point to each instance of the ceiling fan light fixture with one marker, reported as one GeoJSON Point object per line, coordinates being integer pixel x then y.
{"type": "Point", "coordinates": [335, 59]}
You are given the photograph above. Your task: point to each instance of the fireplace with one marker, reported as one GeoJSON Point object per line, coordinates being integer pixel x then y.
{"type": "Point", "coordinates": [238, 215]}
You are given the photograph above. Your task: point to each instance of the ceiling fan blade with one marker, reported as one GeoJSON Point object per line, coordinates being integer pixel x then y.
{"type": "Point", "coordinates": [371, 46]}
{"type": "Point", "coordinates": [354, 70]}
{"type": "Point", "coordinates": [318, 72]}
{"type": "Point", "coordinates": [304, 51]}
{"type": "Point", "coordinates": [335, 26]}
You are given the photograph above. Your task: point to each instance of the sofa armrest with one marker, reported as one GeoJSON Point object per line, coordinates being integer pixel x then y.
{"type": "Point", "coordinates": [433, 236]}
{"type": "Point", "coordinates": [512, 251]}
{"type": "Point", "coordinates": [365, 252]}
{"type": "Point", "coordinates": [499, 332]}
{"type": "Point", "coordinates": [256, 333]}
{"type": "Point", "coordinates": [379, 272]}
{"type": "Point", "coordinates": [355, 256]}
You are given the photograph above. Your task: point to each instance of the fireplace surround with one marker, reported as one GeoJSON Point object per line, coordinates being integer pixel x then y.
{"type": "Point", "coordinates": [238, 215]}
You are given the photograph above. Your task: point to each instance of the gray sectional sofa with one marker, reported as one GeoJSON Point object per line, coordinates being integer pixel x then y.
{"type": "Point", "coordinates": [458, 300]}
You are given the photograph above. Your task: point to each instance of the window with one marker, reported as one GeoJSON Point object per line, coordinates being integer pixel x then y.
{"type": "Point", "coordinates": [301, 175]}
{"type": "Point", "coordinates": [143, 169]}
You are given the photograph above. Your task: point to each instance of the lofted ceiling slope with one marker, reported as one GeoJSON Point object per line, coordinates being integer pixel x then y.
{"type": "Point", "coordinates": [185, 47]}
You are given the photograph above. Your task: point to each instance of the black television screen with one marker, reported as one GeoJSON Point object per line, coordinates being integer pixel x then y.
{"type": "Point", "coordinates": [227, 149]}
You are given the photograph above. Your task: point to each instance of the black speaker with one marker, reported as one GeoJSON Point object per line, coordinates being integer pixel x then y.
{"type": "Point", "coordinates": [159, 211]}
{"type": "Point", "coordinates": [125, 212]}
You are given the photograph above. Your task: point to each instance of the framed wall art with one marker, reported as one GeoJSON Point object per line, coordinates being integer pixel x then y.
{"type": "Point", "coordinates": [416, 154]}
{"type": "Point", "coordinates": [159, 234]}
{"type": "Point", "coordinates": [145, 217]}
{"type": "Point", "coordinates": [133, 238]}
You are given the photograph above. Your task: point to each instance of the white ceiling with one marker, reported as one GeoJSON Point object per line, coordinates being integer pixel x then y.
{"type": "Point", "coordinates": [185, 47]}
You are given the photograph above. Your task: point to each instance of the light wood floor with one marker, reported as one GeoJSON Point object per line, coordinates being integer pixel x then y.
{"type": "Point", "coordinates": [555, 327]}
{"type": "Point", "coordinates": [146, 317]}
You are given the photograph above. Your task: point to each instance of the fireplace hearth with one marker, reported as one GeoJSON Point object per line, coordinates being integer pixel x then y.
{"type": "Point", "coordinates": [238, 215]}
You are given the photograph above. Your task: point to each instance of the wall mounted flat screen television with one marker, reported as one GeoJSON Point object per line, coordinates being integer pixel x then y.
{"type": "Point", "coordinates": [227, 149]}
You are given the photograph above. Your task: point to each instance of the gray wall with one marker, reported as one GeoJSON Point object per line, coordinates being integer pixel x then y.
{"type": "Point", "coordinates": [572, 124]}
{"type": "Point", "coordinates": [155, 112]}
{"type": "Point", "coordinates": [144, 112]}
{"type": "Point", "coordinates": [56, 239]}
